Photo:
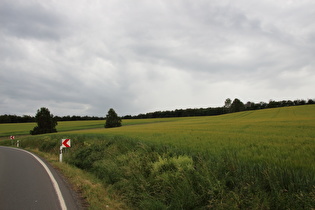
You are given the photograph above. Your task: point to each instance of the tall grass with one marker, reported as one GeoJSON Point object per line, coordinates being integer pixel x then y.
{"type": "Point", "coordinates": [277, 135]}
{"type": "Point", "coordinates": [156, 176]}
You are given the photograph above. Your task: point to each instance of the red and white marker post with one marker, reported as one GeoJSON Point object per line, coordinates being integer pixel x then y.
{"type": "Point", "coordinates": [17, 141]}
{"type": "Point", "coordinates": [65, 143]}
{"type": "Point", "coordinates": [12, 139]}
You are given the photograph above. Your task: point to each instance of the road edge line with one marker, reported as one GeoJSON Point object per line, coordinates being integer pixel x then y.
{"type": "Point", "coordinates": [53, 180]}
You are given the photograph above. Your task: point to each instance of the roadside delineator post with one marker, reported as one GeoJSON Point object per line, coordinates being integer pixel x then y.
{"type": "Point", "coordinates": [60, 154]}
{"type": "Point", "coordinates": [12, 140]}
{"type": "Point", "coordinates": [65, 143]}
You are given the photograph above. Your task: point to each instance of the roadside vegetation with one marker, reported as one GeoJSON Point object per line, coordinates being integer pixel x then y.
{"type": "Point", "coordinates": [247, 160]}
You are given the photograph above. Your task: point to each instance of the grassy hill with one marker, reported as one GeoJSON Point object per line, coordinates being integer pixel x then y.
{"type": "Point", "coordinates": [254, 160]}
{"type": "Point", "coordinates": [279, 134]}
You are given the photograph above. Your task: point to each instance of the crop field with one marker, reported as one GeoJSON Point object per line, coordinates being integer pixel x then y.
{"type": "Point", "coordinates": [260, 159]}
{"type": "Point", "coordinates": [282, 134]}
{"type": "Point", "coordinates": [8, 129]}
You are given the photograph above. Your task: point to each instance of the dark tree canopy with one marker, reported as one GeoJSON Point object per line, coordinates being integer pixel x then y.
{"type": "Point", "coordinates": [46, 122]}
{"type": "Point", "coordinates": [237, 106]}
{"type": "Point", "coordinates": [112, 119]}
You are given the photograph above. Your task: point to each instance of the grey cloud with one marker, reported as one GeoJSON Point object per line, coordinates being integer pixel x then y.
{"type": "Point", "coordinates": [30, 20]}
{"type": "Point", "coordinates": [137, 57]}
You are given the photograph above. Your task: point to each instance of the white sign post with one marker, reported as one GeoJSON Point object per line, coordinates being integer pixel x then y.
{"type": "Point", "coordinates": [60, 154]}
{"type": "Point", "coordinates": [64, 144]}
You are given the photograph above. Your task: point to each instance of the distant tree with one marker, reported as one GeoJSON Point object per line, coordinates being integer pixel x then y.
{"type": "Point", "coordinates": [250, 105]}
{"type": "Point", "coordinates": [263, 105]}
{"type": "Point", "coordinates": [27, 118]}
{"type": "Point", "coordinates": [112, 119]}
{"type": "Point", "coordinates": [311, 101]}
{"type": "Point", "coordinates": [227, 103]}
{"type": "Point", "coordinates": [237, 106]}
{"type": "Point", "coordinates": [46, 123]}
{"type": "Point", "coordinates": [273, 104]}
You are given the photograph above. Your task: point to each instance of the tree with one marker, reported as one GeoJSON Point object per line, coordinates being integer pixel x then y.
{"type": "Point", "coordinates": [237, 106]}
{"type": "Point", "coordinates": [227, 103]}
{"type": "Point", "coordinates": [311, 101]}
{"type": "Point", "coordinates": [46, 123]}
{"type": "Point", "coordinates": [249, 105]}
{"type": "Point", "coordinates": [112, 119]}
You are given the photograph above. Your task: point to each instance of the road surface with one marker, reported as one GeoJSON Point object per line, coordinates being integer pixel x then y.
{"type": "Point", "coordinates": [28, 182]}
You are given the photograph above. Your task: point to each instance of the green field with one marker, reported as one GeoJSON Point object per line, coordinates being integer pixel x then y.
{"type": "Point", "coordinates": [282, 134]}
{"type": "Point", "coordinates": [16, 129]}
{"type": "Point", "coordinates": [261, 159]}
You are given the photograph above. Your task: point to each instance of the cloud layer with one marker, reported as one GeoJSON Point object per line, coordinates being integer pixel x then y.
{"type": "Point", "coordinates": [85, 57]}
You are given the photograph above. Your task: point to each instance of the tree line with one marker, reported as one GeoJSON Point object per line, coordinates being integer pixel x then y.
{"type": "Point", "coordinates": [27, 118]}
{"type": "Point", "coordinates": [229, 107]}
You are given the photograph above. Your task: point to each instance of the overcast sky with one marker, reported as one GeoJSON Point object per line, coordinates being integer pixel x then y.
{"type": "Point", "coordinates": [83, 57]}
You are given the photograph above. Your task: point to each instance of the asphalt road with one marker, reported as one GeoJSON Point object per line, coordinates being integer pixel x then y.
{"type": "Point", "coordinates": [28, 182]}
